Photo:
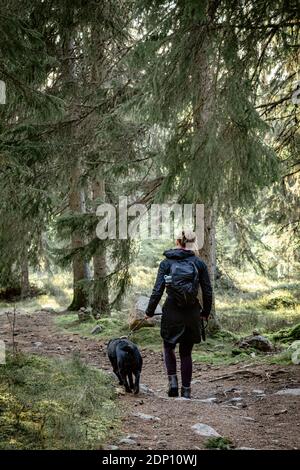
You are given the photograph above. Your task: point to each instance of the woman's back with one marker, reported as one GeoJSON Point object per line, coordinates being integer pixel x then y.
{"type": "Point", "coordinates": [177, 255]}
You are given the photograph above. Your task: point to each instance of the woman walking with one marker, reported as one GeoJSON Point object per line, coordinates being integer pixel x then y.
{"type": "Point", "coordinates": [181, 272]}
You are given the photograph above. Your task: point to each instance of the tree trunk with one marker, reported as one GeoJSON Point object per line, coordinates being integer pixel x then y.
{"type": "Point", "coordinates": [208, 254]}
{"type": "Point", "coordinates": [80, 268]}
{"type": "Point", "coordinates": [208, 251]}
{"type": "Point", "coordinates": [100, 303]}
{"type": "Point", "coordinates": [203, 103]}
{"type": "Point", "coordinates": [76, 194]}
{"type": "Point", "coordinates": [25, 286]}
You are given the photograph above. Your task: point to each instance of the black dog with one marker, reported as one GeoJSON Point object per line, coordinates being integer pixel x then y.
{"type": "Point", "coordinates": [126, 361]}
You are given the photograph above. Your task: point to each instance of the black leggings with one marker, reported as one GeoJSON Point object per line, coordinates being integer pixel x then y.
{"type": "Point", "coordinates": [185, 353]}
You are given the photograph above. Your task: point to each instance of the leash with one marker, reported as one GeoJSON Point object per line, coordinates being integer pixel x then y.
{"type": "Point", "coordinates": [139, 323]}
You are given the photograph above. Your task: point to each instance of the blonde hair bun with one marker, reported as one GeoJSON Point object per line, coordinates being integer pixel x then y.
{"type": "Point", "coordinates": [188, 239]}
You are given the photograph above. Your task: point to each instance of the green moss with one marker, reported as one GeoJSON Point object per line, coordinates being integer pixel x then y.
{"type": "Point", "coordinates": [278, 299]}
{"type": "Point", "coordinates": [113, 326]}
{"type": "Point", "coordinates": [262, 304]}
{"type": "Point", "coordinates": [236, 352]}
{"type": "Point", "coordinates": [54, 404]}
{"type": "Point", "coordinates": [221, 443]}
{"type": "Point", "coordinates": [283, 358]}
{"type": "Point", "coordinates": [225, 335]}
{"type": "Point", "coordinates": [288, 334]}
{"type": "Point", "coordinates": [148, 337]}
{"type": "Point", "coordinates": [216, 352]}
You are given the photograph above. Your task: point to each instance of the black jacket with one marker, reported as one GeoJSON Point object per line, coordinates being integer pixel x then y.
{"type": "Point", "coordinates": [178, 322]}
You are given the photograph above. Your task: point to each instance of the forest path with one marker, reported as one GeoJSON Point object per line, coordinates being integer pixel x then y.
{"type": "Point", "coordinates": [244, 405]}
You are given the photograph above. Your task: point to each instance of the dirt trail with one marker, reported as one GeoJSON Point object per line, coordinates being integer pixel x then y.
{"type": "Point", "coordinates": [243, 405]}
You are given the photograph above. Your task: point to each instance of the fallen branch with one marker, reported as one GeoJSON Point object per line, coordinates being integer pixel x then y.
{"type": "Point", "coordinates": [267, 374]}
{"type": "Point", "coordinates": [243, 372]}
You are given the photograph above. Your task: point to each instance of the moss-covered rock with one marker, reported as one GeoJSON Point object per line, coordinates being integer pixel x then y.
{"type": "Point", "coordinates": [288, 334]}
{"type": "Point", "coordinates": [280, 299]}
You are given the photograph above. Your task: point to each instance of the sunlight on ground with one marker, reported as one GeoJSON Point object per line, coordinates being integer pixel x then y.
{"type": "Point", "coordinates": [57, 294]}
{"type": "Point", "coordinates": [35, 304]}
{"type": "Point", "coordinates": [257, 302]}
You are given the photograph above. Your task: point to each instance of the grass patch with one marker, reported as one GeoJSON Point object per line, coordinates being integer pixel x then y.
{"type": "Point", "coordinates": [283, 358]}
{"type": "Point", "coordinates": [34, 304]}
{"type": "Point", "coordinates": [220, 443]}
{"type": "Point", "coordinates": [260, 304]}
{"type": "Point", "coordinates": [278, 299]}
{"type": "Point", "coordinates": [218, 352]}
{"type": "Point", "coordinates": [54, 404]}
{"type": "Point", "coordinates": [148, 338]}
{"type": "Point", "coordinates": [57, 293]}
{"type": "Point", "coordinates": [112, 327]}
{"type": "Point", "coordinates": [287, 335]}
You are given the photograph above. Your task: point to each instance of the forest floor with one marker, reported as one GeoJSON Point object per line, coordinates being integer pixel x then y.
{"type": "Point", "coordinates": [243, 404]}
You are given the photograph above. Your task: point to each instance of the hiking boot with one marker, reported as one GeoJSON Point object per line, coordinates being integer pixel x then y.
{"type": "Point", "coordinates": [173, 386]}
{"type": "Point", "coordinates": [186, 392]}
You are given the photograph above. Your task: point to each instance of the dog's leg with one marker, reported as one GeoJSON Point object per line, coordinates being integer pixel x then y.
{"type": "Point", "coordinates": [137, 382]}
{"type": "Point", "coordinates": [130, 380]}
{"type": "Point", "coordinates": [118, 376]}
{"type": "Point", "coordinates": [125, 383]}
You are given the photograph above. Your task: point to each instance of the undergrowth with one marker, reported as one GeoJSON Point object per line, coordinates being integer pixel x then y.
{"type": "Point", "coordinates": [54, 404]}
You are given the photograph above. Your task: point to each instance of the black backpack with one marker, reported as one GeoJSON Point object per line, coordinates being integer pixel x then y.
{"type": "Point", "coordinates": [183, 282]}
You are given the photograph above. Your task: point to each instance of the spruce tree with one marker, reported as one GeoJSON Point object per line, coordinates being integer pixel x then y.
{"type": "Point", "coordinates": [202, 65]}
